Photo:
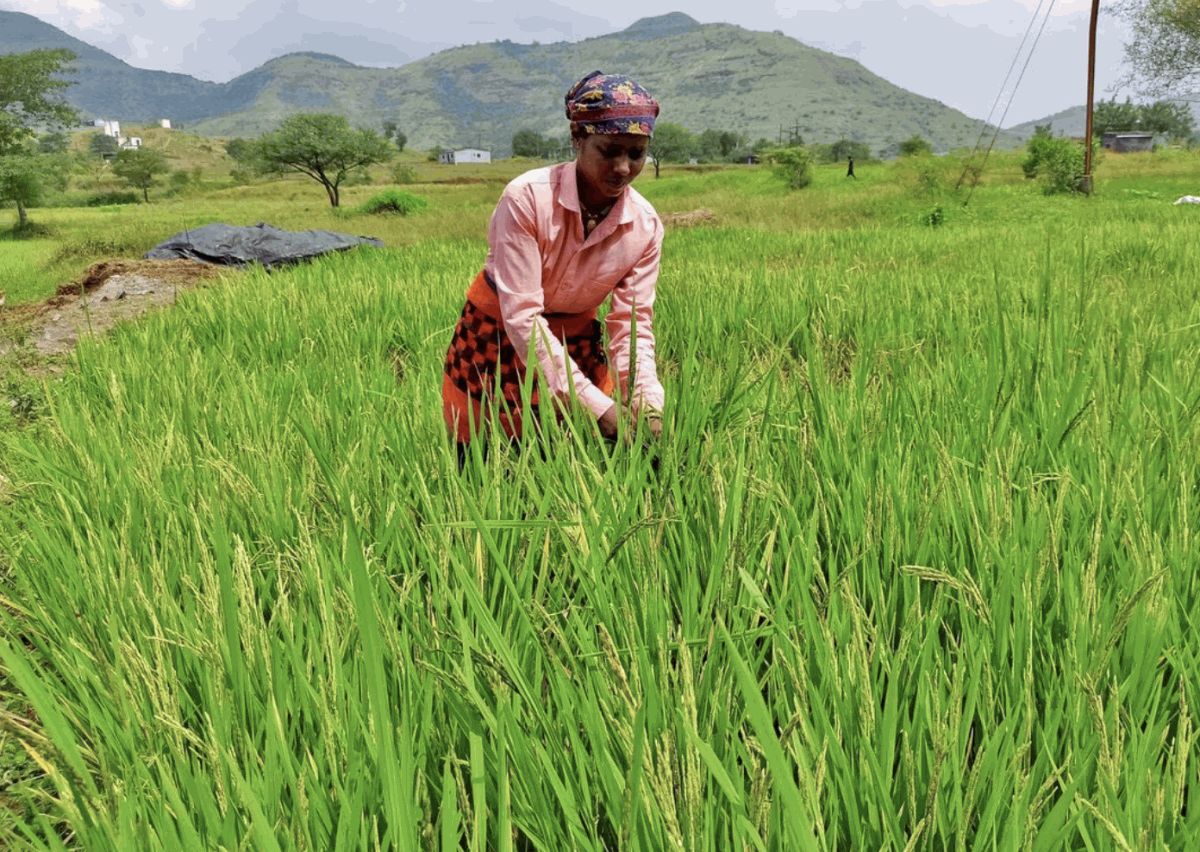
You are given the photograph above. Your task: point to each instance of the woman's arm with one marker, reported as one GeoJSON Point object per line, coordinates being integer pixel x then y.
{"type": "Point", "coordinates": [516, 268]}
{"type": "Point", "coordinates": [632, 313]}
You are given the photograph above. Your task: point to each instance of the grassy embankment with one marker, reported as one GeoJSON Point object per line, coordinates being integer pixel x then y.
{"type": "Point", "coordinates": [917, 567]}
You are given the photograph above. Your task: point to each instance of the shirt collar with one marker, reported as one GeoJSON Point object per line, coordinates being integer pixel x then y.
{"type": "Point", "coordinates": [568, 193]}
{"type": "Point", "coordinates": [568, 196]}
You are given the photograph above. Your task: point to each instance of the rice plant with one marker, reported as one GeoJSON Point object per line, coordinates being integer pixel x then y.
{"type": "Point", "coordinates": [913, 566]}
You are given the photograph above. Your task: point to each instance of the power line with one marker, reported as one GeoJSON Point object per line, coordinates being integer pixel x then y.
{"type": "Point", "coordinates": [1020, 77]}
{"type": "Point", "coordinates": [1004, 85]}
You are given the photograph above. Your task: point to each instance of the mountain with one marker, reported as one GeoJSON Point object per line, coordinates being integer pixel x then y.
{"type": "Point", "coordinates": [220, 39]}
{"type": "Point", "coordinates": [1067, 122]}
{"type": "Point", "coordinates": [104, 86]}
{"type": "Point", "coordinates": [959, 53]}
{"type": "Point", "coordinates": [706, 75]}
{"type": "Point", "coordinates": [951, 50]}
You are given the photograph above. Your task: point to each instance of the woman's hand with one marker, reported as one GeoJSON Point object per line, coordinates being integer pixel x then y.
{"type": "Point", "coordinates": [608, 423]}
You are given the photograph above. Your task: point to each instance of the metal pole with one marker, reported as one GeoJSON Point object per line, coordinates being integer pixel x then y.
{"type": "Point", "coordinates": [1085, 184]}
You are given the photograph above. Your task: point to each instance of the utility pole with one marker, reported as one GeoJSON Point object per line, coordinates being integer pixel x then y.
{"type": "Point", "coordinates": [1085, 183]}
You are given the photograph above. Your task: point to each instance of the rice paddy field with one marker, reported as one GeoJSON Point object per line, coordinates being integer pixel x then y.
{"type": "Point", "coordinates": [913, 566]}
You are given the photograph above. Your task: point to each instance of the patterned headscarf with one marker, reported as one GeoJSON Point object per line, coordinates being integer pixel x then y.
{"type": "Point", "coordinates": [611, 103]}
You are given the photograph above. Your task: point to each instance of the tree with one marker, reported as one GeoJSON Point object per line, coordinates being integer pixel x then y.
{"type": "Point", "coordinates": [241, 151]}
{"type": "Point", "coordinates": [915, 146]}
{"type": "Point", "coordinates": [140, 168]}
{"type": "Point", "coordinates": [1161, 117]}
{"type": "Point", "coordinates": [24, 177]}
{"type": "Point", "coordinates": [1112, 115]}
{"type": "Point", "coordinates": [103, 145]}
{"type": "Point", "coordinates": [54, 142]}
{"type": "Point", "coordinates": [845, 148]}
{"type": "Point", "coordinates": [30, 96]}
{"type": "Point", "coordinates": [792, 163]}
{"type": "Point", "coordinates": [323, 146]}
{"type": "Point", "coordinates": [671, 143]}
{"type": "Point", "coordinates": [392, 131]}
{"type": "Point", "coordinates": [719, 145]}
{"type": "Point", "coordinates": [179, 180]}
{"type": "Point", "coordinates": [528, 143]}
{"type": "Point", "coordinates": [20, 184]}
{"type": "Point", "coordinates": [1164, 53]}
{"type": "Point", "coordinates": [1171, 119]}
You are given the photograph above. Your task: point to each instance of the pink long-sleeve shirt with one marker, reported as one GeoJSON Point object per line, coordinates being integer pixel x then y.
{"type": "Point", "coordinates": [541, 263]}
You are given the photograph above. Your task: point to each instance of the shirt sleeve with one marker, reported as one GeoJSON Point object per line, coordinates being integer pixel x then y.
{"type": "Point", "coordinates": [631, 328]}
{"type": "Point", "coordinates": [516, 269]}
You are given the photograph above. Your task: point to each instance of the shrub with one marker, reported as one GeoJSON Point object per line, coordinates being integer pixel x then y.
{"type": "Point", "coordinates": [934, 217]}
{"type": "Point", "coordinates": [1062, 169]}
{"type": "Point", "coordinates": [1056, 161]}
{"type": "Point", "coordinates": [929, 177]}
{"type": "Point", "coordinates": [393, 201]}
{"type": "Point", "coordinates": [404, 173]}
{"type": "Point", "coordinates": [793, 164]}
{"type": "Point", "coordinates": [1037, 150]}
{"type": "Point", "coordinates": [915, 146]}
{"type": "Point", "coordinates": [103, 199]}
{"type": "Point", "coordinates": [838, 151]}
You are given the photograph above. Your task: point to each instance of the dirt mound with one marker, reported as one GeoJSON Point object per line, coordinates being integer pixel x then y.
{"type": "Point", "coordinates": [107, 294]}
{"type": "Point", "coordinates": [182, 272]}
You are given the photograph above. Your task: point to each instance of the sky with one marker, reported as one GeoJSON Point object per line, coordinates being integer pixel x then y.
{"type": "Point", "coordinates": [954, 50]}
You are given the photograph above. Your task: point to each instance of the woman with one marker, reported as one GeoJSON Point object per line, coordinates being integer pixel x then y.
{"type": "Point", "coordinates": [562, 239]}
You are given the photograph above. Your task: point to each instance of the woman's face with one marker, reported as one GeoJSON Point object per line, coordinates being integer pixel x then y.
{"type": "Point", "coordinates": [608, 163]}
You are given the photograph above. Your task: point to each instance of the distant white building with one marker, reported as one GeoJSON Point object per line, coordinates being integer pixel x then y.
{"type": "Point", "coordinates": [164, 123]}
{"type": "Point", "coordinates": [459, 156]}
{"type": "Point", "coordinates": [130, 142]}
{"type": "Point", "coordinates": [108, 128]}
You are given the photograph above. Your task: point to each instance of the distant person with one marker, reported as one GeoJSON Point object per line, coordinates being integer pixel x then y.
{"type": "Point", "coordinates": [850, 168]}
{"type": "Point", "coordinates": [562, 239]}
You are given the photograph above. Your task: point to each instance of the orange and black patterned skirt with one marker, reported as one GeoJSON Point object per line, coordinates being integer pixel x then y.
{"type": "Point", "coordinates": [480, 351]}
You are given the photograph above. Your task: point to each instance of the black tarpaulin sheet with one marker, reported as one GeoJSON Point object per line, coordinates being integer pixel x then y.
{"type": "Point", "coordinates": [234, 246]}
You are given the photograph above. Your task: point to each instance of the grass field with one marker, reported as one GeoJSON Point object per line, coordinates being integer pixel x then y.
{"type": "Point", "coordinates": [916, 568]}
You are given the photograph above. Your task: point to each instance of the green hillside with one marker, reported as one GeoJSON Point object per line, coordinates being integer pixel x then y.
{"type": "Point", "coordinates": [707, 76]}
{"type": "Point", "coordinates": [712, 75]}
{"type": "Point", "coordinates": [104, 86]}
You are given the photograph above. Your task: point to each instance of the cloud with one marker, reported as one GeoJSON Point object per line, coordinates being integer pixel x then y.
{"type": "Point", "coordinates": [1061, 8]}
{"type": "Point", "coordinates": [82, 14]}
